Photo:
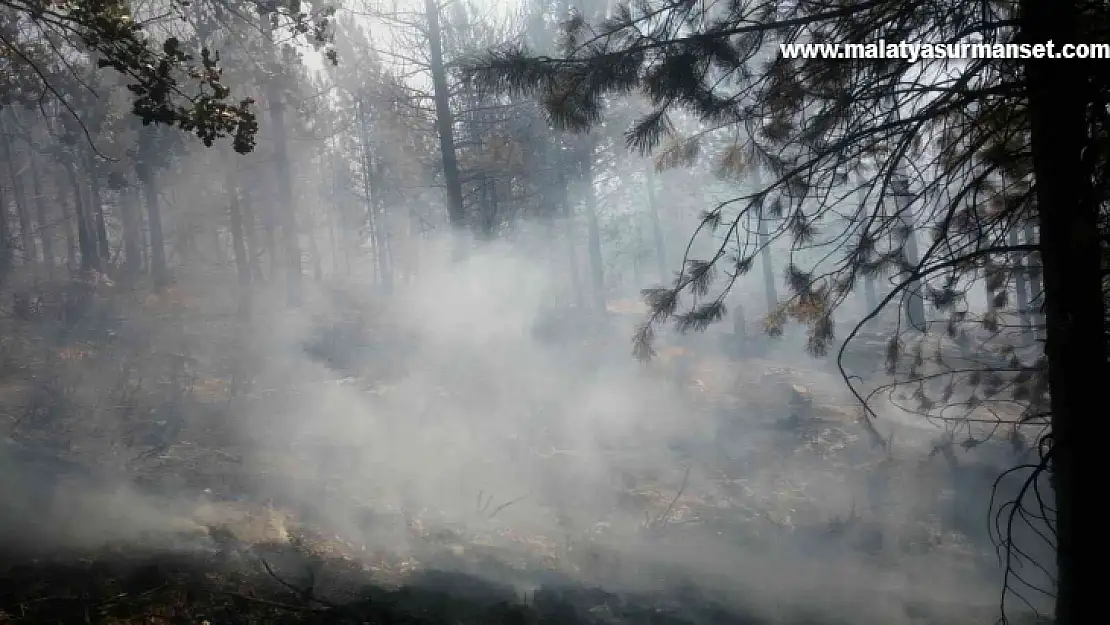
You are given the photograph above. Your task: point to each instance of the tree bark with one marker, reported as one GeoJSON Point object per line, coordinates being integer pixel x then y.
{"type": "Point", "coordinates": [1074, 301]}
{"type": "Point", "coordinates": [445, 123]}
{"type": "Point", "coordinates": [90, 259]}
{"type": "Point", "coordinates": [132, 243]}
{"type": "Point", "coordinates": [158, 271]}
{"type": "Point", "coordinates": [593, 231]}
{"type": "Point", "coordinates": [103, 247]}
{"type": "Point", "coordinates": [1021, 285]}
{"type": "Point", "coordinates": [235, 217]}
{"type": "Point", "coordinates": [42, 215]}
{"type": "Point", "coordinates": [769, 290]}
{"type": "Point", "coordinates": [5, 242]}
{"type": "Point", "coordinates": [26, 233]}
{"type": "Point", "coordinates": [287, 213]}
{"type": "Point", "coordinates": [656, 226]}
{"type": "Point", "coordinates": [1036, 292]}
{"type": "Point", "coordinates": [572, 246]}
{"type": "Point", "coordinates": [915, 301]}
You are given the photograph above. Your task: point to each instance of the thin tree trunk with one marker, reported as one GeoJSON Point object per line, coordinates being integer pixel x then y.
{"type": "Point", "coordinates": [637, 255]}
{"type": "Point", "coordinates": [238, 240]}
{"type": "Point", "coordinates": [593, 234]}
{"type": "Point", "coordinates": [287, 214]}
{"type": "Point", "coordinates": [5, 242]}
{"type": "Point", "coordinates": [1036, 292]}
{"type": "Point", "coordinates": [444, 118]}
{"type": "Point", "coordinates": [367, 162]}
{"type": "Point", "coordinates": [915, 302]}
{"type": "Point", "coordinates": [656, 227]}
{"type": "Point", "coordinates": [144, 238]}
{"type": "Point", "coordinates": [572, 247]}
{"type": "Point", "coordinates": [45, 227]}
{"type": "Point", "coordinates": [314, 250]}
{"type": "Point", "coordinates": [103, 247]}
{"type": "Point", "coordinates": [871, 298]}
{"type": "Point", "coordinates": [132, 237]}
{"type": "Point", "coordinates": [158, 270]}
{"type": "Point", "coordinates": [250, 235]}
{"type": "Point", "coordinates": [769, 290]}
{"type": "Point", "coordinates": [90, 259]}
{"type": "Point", "coordinates": [385, 243]}
{"type": "Point", "coordinates": [68, 219]}
{"type": "Point", "coordinates": [1021, 286]}
{"type": "Point", "coordinates": [26, 233]}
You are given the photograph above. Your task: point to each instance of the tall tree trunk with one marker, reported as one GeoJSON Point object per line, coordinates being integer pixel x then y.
{"type": "Point", "coordinates": [287, 213]}
{"type": "Point", "coordinates": [915, 301]}
{"type": "Point", "coordinates": [238, 238]}
{"type": "Point", "coordinates": [314, 249]}
{"type": "Point", "coordinates": [1036, 292]}
{"type": "Point", "coordinates": [871, 298]}
{"type": "Point", "coordinates": [445, 121]}
{"type": "Point", "coordinates": [103, 247]}
{"type": "Point", "coordinates": [250, 235]}
{"type": "Point", "coordinates": [158, 270]}
{"type": "Point", "coordinates": [1068, 211]}
{"type": "Point", "coordinates": [132, 237]}
{"type": "Point", "coordinates": [5, 242]}
{"type": "Point", "coordinates": [26, 233]}
{"type": "Point", "coordinates": [90, 259]}
{"type": "Point", "coordinates": [68, 219]}
{"type": "Point", "coordinates": [368, 183]}
{"type": "Point", "coordinates": [656, 226]}
{"type": "Point", "coordinates": [385, 243]}
{"type": "Point", "coordinates": [144, 237]}
{"type": "Point", "coordinates": [1021, 286]}
{"type": "Point", "coordinates": [769, 290]}
{"type": "Point", "coordinates": [572, 244]}
{"type": "Point", "coordinates": [637, 255]}
{"type": "Point", "coordinates": [593, 231]}
{"type": "Point", "coordinates": [43, 217]}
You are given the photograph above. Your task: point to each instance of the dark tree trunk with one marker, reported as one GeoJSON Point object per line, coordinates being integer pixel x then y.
{"type": "Point", "coordinates": [656, 228]}
{"type": "Point", "coordinates": [68, 218]}
{"type": "Point", "coordinates": [250, 235]}
{"type": "Point", "coordinates": [287, 213]}
{"type": "Point", "coordinates": [593, 231]}
{"type": "Point", "coordinates": [103, 247]}
{"type": "Point", "coordinates": [571, 242]}
{"type": "Point", "coordinates": [26, 233]}
{"type": "Point", "coordinates": [90, 259]}
{"type": "Point", "coordinates": [158, 270]}
{"type": "Point", "coordinates": [1021, 285]}
{"type": "Point", "coordinates": [132, 237]}
{"type": "Point", "coordinates": [5, 242]}
{"type": "Point", "coordinates": [444, 118]}
{"type": "Point", "coordinates": [43, 217]}
{"type": "Point", "coordinates": [1036, 292]}
{"type": "Point", "coordinates": [1074, 300]}
{"type": "Point", "coordinates": [915, 301]}
{"type": "Point", "coordinates": [238, 238]}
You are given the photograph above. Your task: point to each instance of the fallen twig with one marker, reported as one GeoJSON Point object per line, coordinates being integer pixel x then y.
{"type": "Point", "coordinates": [661, 521]}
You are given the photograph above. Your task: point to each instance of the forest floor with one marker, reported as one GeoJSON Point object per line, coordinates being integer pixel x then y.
{"type": "Point", "coordinates": [240, 555]}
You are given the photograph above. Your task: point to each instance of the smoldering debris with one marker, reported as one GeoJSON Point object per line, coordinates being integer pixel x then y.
{"type": "Point", "coordinates": [420, 434]}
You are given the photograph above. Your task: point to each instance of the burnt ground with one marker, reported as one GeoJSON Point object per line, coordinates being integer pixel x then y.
{"type": "Point", "coordinates": [120, 586]}
{"type": "Point", "coordinates": [253, 559]}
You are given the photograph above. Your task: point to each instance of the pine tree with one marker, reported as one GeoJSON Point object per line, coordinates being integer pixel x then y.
{"type": "Point", "coordinates": [960, 152]}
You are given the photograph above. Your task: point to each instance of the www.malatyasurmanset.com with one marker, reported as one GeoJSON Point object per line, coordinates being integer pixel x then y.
{"type": "Point", "coordinates": [914, 52]}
